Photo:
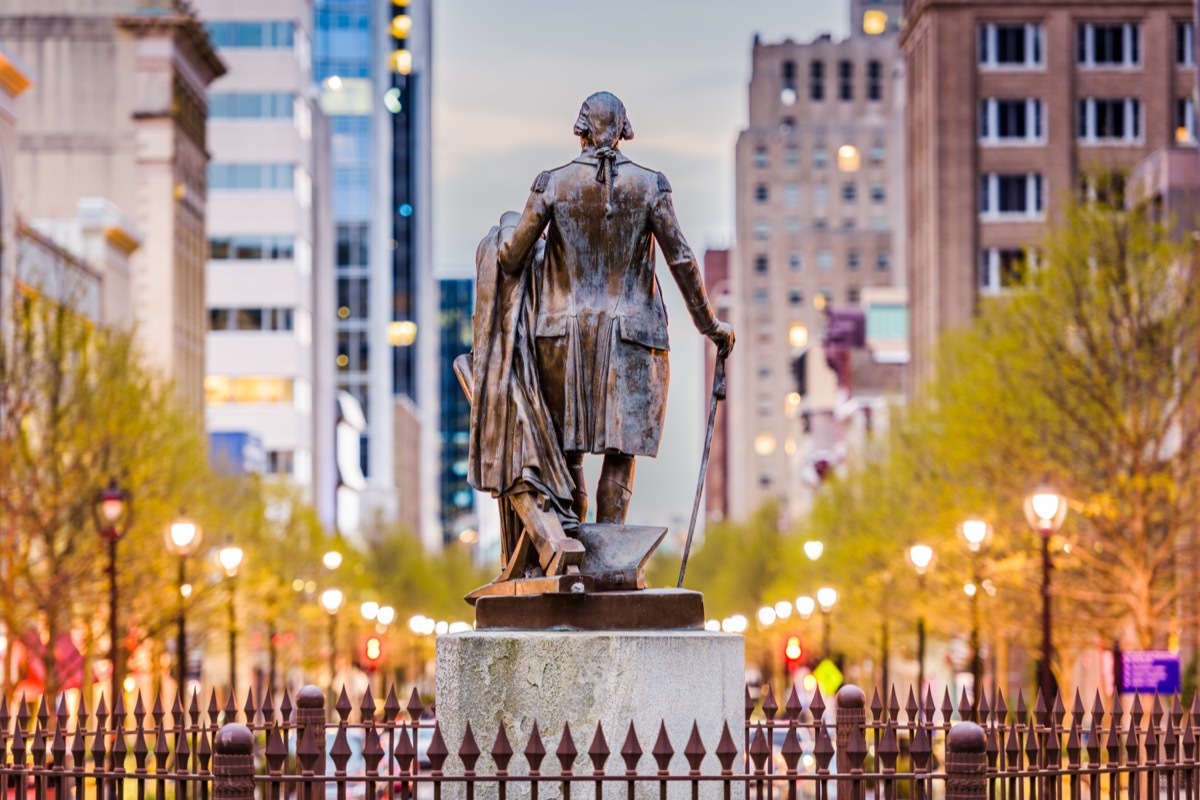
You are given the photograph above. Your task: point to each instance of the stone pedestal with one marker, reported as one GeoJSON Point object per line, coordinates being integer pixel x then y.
{"type": "Point", "coordinates": [676, 678]}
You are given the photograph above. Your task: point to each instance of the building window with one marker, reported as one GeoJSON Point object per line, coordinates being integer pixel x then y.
{"type": "Point", "coordinates": [848, 224]}
{"type": "Point", "coordinates": [762, 297]}
{"type": "Point", "coordinates": [845, 80]}
{"type": "Point", "coordinates": [820, 224]}
{"type": "Point", "coordinates": [260, 35]}
{"type": "Point", "coordinates": [820, 194]}
{"type": "Point", "coordinates": [852, 295]}
{"type": "Point", "coordinates": [875, 156]}
{"type": "Point", "coordinates": [762, 231]}
{"type": "Point", "coordinates": [1185, 120]}
{"type": "Point", "coordinates": [1185, 52]}
{"type": "Point", "coordinates": [852, 260]}
{"type": "Point", "coordinates": [795, 261]}
{"type": "Point", "coordinates": [281, 462]}
{"type": "Point", "coordinates": [791, 156]}
{"type": "Point", "coordinates": [1011, 121]}
{"type": "Point", "coordinates": [878, 224]}
{"type": "Point", "coordinates": [883, 260]}
{"type": "Point", "coordinates": [1011, 46]}
{"type": "Point", "coordinates": [792, 224]}
{"type": "Point", "coordinates": [820, 157]}
{"type": "Point", "coordinates": [250, 319]}
{"type": "Point", "coordinates": [824, 259]}
{"type": "Point", "coordinates": [1000, 268]}
{"type": "Point", "coordinates": [1110, 120]}
{"type": "Point", "coordinates": [787, 92]}
{"type": "Point", "coordinates": [352, 244]}
{"type": "Point", "coordinates": [874, 80]}
{"type": "Point", "coordinates": [1109, 45]}
{"type": "Point", "coordinates": [761, 193]}
{"type": "Point", "coordinates": [226, 390]}
{"type": "Point", "coordinates": [251, 177]}
{"type": "Point", "coordinates": [760, 265]}
{"type": "Point", "coordinates": [251, 105]}
{"type": "Point", "coordinates": [353, 298]}
{"type": "Point", "coordinates": [877, 194]}
{"type": "Point", "coordinates": [791, 194]}
{"type": "Point", "coordinates": [251, 247]}
{"type": "Point", "coordinates": [1011, 195]}
{"type": "Point", "coordinates": [816, 80]}
{"type": "Point", "coordinates": [762, 158]}
{"type": "Point", "coordinates": [849, 192]}
{"type": "Point", "coordinates": [795, 297]}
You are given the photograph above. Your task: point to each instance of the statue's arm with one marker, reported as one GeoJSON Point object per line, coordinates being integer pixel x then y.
{"type": "Point", "coordinates": [517, 240]}
{"type": "Point", "coordinates": [682, 261]}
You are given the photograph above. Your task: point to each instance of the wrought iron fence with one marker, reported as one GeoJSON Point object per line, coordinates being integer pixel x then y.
{"type": "Point", "coordinates": [879, 750]}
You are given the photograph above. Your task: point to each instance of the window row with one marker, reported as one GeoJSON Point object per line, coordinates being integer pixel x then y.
{"type": "Point", "coordinates": [1023, 120]}
{"type": "Point", "coordinates": [848, 157]}
{"type": "Point", "coordinates": [225, 390]}
{"type": "Point", "coordinates": [264, 34]}
{"type": "Point", "coordinates": [251, 247]}
{"type": "Point", "coordinates": [1106, 45]}
{"type": "Point", "coordinates": [246, 177]}
{"type": "Point", "coordinates": [762, 228]}
{"type": "Point", "coordinates": [825, 260]}
{"type": "Point", "coordinates": [251, 105]}
{"type": "Point", "coordinates": [250, 319]}
{"type": "Point", "coordinates": [791, 193]}
{"type": "Point", "coordinates": [873, 90]}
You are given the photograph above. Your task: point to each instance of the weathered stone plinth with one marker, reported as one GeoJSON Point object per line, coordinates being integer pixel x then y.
{"type": "Point", "coordinates": [584, 678]}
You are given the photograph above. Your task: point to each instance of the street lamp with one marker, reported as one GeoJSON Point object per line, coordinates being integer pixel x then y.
{"type": "Point", "coordinates": [112, 511]}
{"type": "Point", "coordinates": [230, 557]}
{"type": "Point", "coordinates": [921, 557]}
{"type": "Point", "coordinates": [331, 601]}
{"type": "Point", "coordinates": [332, 560]}
{"type": "Point", "coordinates": [826, 597]}
{"type": "Point", "coordinates": [813, 549]}
{"type": "Point", "coordinates": [805, 606]}
{"type": "Point", "coordinates": [1045, 509]}
{"type": "Point", "coordinates": [183, 537]}
{"type": "Point", "coordinates": [975, 532]}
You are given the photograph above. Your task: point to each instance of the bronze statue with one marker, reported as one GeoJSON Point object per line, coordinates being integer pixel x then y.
{"type": "Point", "coordinates": [571, 328]}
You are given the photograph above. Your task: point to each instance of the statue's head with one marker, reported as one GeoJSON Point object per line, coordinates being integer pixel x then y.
{"type": "Point", "coordinates": [602, 121]}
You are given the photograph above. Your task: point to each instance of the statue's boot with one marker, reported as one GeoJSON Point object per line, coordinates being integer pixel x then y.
{"type": "Point", "coordinates": [557, 553]}
{"type": "Point", "coordinates": [615, 489]}
{"type": "Point", "coordinates": [579, 496]}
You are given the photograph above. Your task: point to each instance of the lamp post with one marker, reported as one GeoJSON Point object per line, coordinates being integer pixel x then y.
{"type": "Point", "coordinates": [921, 558]}
{"type": "Point", "coordinates": [112, 510]}
{"type": "Point", "coordinates": [230, 557]}
{"type": "Point", "coordinates": [813, 549]}
{"type": "Point", "coordinates": [1045, 509]}
{"type": "Point", "coordinates": [183, 537]}
{"type": "Point", "coordinates": [331, 601]}
{"type": "Point", "coordinates": [975, 533]}
{"type": "Point", "coordinates": [826, 597]}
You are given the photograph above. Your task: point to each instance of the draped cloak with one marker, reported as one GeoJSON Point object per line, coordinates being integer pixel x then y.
{"type": "Point", "coordinates": [513, 444]}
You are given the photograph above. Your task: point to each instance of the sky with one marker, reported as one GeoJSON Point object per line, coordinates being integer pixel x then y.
{"type": "Point", "coordinates": [508, 80]}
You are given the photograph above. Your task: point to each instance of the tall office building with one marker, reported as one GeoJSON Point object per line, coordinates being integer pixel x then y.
{"type": "Point", "coordinates": [372, 64]}
{"type": "Point", "coordinates": [1009, 105]}
{"type": "Point", "coordinates": [454, 429]}
{"type": "Point", "coordinates": [819, 207]}
{"type": "Point", "coordinates": [119, 112]}
{"type": "Point", "coordinates": [269, 349]}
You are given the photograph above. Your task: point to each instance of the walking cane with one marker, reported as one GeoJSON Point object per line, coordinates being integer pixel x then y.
{"type": "Point", "coordinates": [718, 393]}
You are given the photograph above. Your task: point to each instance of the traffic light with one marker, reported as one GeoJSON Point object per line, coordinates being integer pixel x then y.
{"type": "Point", "coordinates": [793, 653]}
{"type": "Point", "coordinates": [373, 650]}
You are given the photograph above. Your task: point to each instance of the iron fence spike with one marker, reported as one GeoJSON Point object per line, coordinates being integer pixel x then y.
{"type": "Point", "coordinates": [372, 750]}
{"type": "Point", "coordinates": [876, 704]}
{"type": "Point", "coordinates": [759, 750]}
{"type": "Point", "coordinates": [502, 751]}
{"type": "Point", "coordinates": [535, 750]}
{"type": "Point", "coordinates": [769, 707]}
{"type": "Point", "coordinates": [893, 704]}
{"type": "Point", "coordinates": [910, 707]}
{"type": "Point", "coordinates": [663, 752]}
{"type": "Point", "coordinates": [286, 706]}
{"type": "Point", "coordinates": [598, 751]}
{"type": "Point", "coordinates": [726, 751]}
{"type": "Point", "coordinates": [391, 705]}
{"type": "Point", "coordinates": [339, 752]}
{"type": "Point", "coordinates": [985, 710]}
{"type": "Point", "coordinates": [250, 708]}
{"type": "Point", "coordinates": [343, 706]}
{"type": "Point", "coordinates": [794, 706]}
{"type": "Point", "coordinates": [631, 750]}
{"type": "Point", "coordinates": [366, 707]}
{"type": "Point", "coordinates": [437, 752]}
{"type": "Point", "coordinates": [276, 749]}
{"type": "Point", "coordinates": [965, 711]}
{"type": "Point", "coordinates": [468, 751]}
{"type": "Point", "coordinates": [415, 708]}
{"type": "Point", "coordinates": [231, 710]}
{"type": "Point", "coordinates": [816, 706]}
{"type": "Point", "coordinates": [748, 703]}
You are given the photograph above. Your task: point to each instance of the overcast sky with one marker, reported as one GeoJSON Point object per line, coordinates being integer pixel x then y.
{"type": "Point", "coordinates": [509, 77]}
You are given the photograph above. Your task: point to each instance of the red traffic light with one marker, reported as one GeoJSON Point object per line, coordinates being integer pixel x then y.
{"type": "Point", "coordinates": [793, 653]}
{"type": "Point", "coordinates": [373, 650]}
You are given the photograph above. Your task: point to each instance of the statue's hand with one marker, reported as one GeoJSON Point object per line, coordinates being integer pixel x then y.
{"type": "Point", "coordinates": [722, 337]}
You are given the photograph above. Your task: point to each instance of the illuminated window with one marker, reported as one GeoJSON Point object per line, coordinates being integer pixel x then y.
{"type": "Point", "coordinates": [848, 158]}
{"type": "Point", "coordinates": [1185, 120]}
{"type": "Point", "coordinates": [225, 390]}
{"type": "Point", "coordinates": [874, 22]}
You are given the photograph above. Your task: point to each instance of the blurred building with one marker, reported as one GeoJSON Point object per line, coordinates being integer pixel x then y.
{"type": "Point", "coordinates": [454, 430]}
{"type": "Point", "coordinates": [270, 368]}
{"type": "Point", "coordinates": [373, 71]}
{"type": "Point", "coordinates": [118, 111]}
{"type": "Point", "coordinates": [1009, 105]}
{"type": "Point", "coordinates": [13, 81]}
{"type": "Point", "coordinates": [820, 219]}
{"type": "Point", "coordinates": [716, 480]}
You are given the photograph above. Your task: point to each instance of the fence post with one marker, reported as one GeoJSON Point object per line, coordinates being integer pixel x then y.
{"type": "Point", "coordinates": [851, 718]}
{"type": "Point", "coordinates": [966, 762]}
{"type": "Point", "coordinates": [310, 716]}
{"type": "Point", "coordinates": [233, 763]}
